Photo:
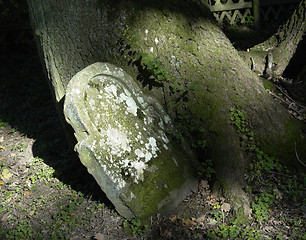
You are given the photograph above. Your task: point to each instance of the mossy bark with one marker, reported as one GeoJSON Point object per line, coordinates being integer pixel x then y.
{"type": "Point", "coordinates": [186, 39]}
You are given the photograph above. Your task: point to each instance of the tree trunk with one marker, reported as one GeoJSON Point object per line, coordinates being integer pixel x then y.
{"type": "Point", "coordinates": [282, 44]}
{"type": "Point", "coordinates": [195, 52]}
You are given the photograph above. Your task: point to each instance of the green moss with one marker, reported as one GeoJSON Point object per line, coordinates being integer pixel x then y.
{"type": "Point", "coordinates": [158, 185]}
{"type": "Point", "coordinates": [269, 85]}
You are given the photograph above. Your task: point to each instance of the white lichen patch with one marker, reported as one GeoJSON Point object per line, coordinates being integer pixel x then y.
{"type": "Point", "coordinates": [92, 104]}
{"type": "Point", "coordinates": [131, 106]}
{"type": "Point", "coordinates": [111, 89]}
{"type": "Point", "coordinates": [139, 153]}
{"type": "Point", "coordinates": [118, 141]}
{"type": "Point", "coordinates": [174, 61]}
{"type": "Point", "coordinates": [140, 100]}
{"type": "Point", "coordinates": [167, 120]}
{"type": "Point", "coordinates": [165, 139]}
{"type": "Point", "coordinates": [76, 91]}
{"type": "Point", "coordinates": [148, 156]}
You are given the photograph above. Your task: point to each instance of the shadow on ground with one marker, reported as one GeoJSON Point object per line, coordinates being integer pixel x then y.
{"type": "Point", "coordinates": [26, 104]}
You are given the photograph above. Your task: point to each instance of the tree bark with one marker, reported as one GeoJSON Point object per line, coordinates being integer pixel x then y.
{"type": "Point", "coordinates": [282, 44]}
{"type": "Point", "coordinates": [185, 38]}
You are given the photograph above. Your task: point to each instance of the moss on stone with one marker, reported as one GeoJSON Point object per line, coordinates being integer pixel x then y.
{"type": "Point", "coordinates": [158, 186]}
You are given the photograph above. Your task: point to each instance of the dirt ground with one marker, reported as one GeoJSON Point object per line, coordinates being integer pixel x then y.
{"type": "Point", "coordinates": [46, 193]}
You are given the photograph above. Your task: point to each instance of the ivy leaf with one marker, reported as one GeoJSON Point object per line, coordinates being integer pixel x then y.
{"type": "Point", "coordinates": [160, 77]}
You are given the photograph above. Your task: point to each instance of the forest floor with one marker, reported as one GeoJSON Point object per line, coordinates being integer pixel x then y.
{"type": "Point", "coordinates": [46, 193]}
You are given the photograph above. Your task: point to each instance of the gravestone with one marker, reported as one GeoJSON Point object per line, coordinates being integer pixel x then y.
{"type": "Point", "coordinates": [122, 140]}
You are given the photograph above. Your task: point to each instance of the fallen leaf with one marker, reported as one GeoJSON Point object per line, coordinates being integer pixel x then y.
{"type": "Point", "coordinates": [278, 194]}
{"type": "Point", "coordinates": [172, 219]}
{"type": "Point", "coordinates": [188, 221]}
{"type": "Point", "coordinates": [6, 174]}
{"type": "Point", "coordinates": [2, 158]}
{"type": "Point", "coordinates": [203, 184]}
{"type": "Point", "coordinates": [27, 193]}
{"type": "Point", "coordinates": [5, 217]}
{"type": "Point", "coordinates": [1, 183]}
{"type": "Point", "coordinates": [201, 218]}
{"type": "Point", "coordinates": [211, 197]}
{"type": "Point", "coordinates": [1, 147]}
{"type": "Point", "coordinates": [225, 207]}
{"type": "Point", "coordinates": [99, 236]}
{"type": "Point", "coordinates": [212, 221]}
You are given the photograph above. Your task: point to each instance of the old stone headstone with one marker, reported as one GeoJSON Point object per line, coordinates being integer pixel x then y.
{"type": "Point", "coordinates": [122, 141]}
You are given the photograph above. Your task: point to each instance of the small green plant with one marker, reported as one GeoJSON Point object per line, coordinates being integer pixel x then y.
{"type": "Point", "coordinates": [135, 226]}
{"type": "Point", "coordinates": [261, 206]}
{"type": "Point", "coordinates": [238, 120]}
{"type": "Point", "coordinates": [11, 131]}
{"type": "Point", "coordinates": [40, 171]}
{"type": "Point", "coordinates": [206, 169]}
{"type": "Point", "coordinates": [185, 127]}
{"type": "Point", "coordinates": [20, 147]}
{"type": "Point", "coordinates": [3, 124]}
{"type": "Point", "coordinates": [23, 230]}
{"type": "Point", "coordinates": [266, 172]}
{"type": "Point", "coordinates": [225, 231]}
{"type": "Point", "coordinates": [149, 63]}
{"type": "Point", "coordinates": [249, 21]}
{"type": "Point", "coordinates": [217, 215]}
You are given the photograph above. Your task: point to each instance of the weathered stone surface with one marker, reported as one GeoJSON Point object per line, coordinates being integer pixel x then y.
{"type": "Point", "coordinates": [122, 141]}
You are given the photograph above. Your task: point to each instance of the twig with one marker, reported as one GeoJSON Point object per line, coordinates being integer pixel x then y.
{"type": "Point", "coordinates": [298, 112]}
{"type": "Point", "coordinates": [298, 156]}
{"type": "Point", "coordinates": [285, 93]}
{"type": "Point", "coordinates": [279, 173]}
